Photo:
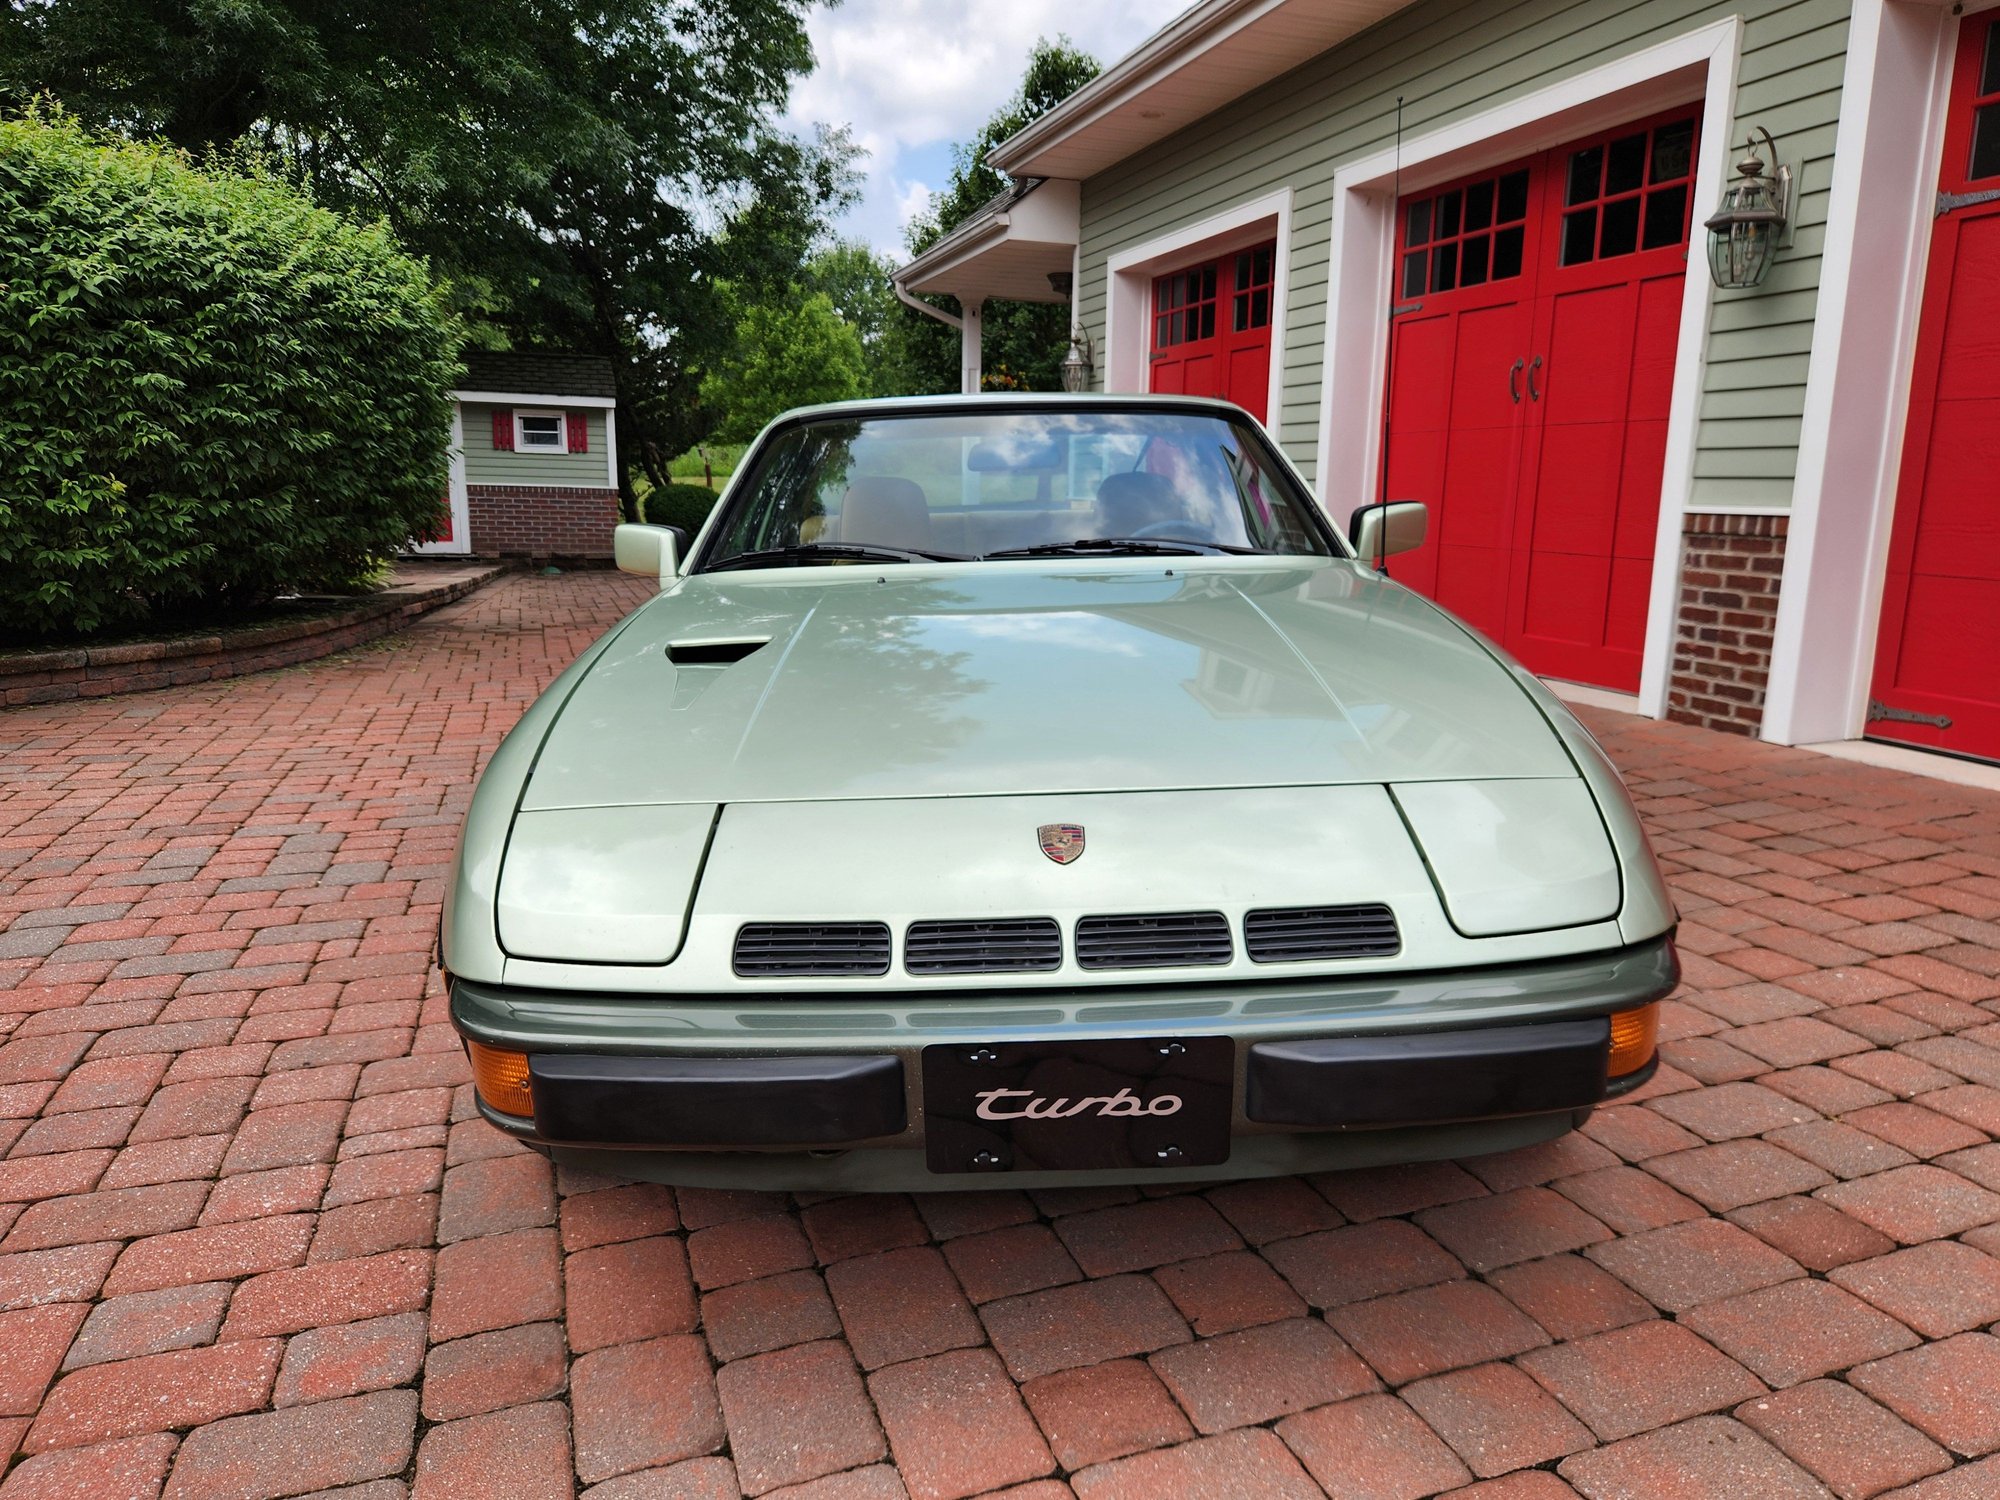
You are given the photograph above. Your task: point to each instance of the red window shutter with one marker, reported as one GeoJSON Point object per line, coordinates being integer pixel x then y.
{"type": "Point", "coordinates": [579, 431]}
{"type": "Point", "coordinates": [503, 430]}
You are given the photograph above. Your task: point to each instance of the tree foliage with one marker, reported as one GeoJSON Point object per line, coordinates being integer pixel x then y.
{"type": "Point", "coordinates": [211, 390]}
{"type": "Point", "coordinates": [860, 284]}
{"type": "Point", "coordinates": [1024, 342]}
{"type": "Point", "coordinates": [789, 351]}
{"type": "Point", "coordinates": [587, 173]}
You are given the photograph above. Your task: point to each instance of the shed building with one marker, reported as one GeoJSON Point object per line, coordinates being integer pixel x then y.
{"type": "Point", "coordinates": [534, 469]}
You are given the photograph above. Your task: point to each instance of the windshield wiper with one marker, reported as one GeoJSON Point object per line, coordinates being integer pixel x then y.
{"type": "Point", "coordinates": [812, 552]}
{"type": "Point", "coordinates": [1142, 545]}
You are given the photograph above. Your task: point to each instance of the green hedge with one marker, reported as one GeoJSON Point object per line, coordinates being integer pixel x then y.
{"type": "Point", "coordinates": [212, 392]}
{"type": "Point", "coordinates": [682, 505]}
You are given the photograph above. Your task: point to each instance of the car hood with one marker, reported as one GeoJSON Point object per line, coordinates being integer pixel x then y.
{"type": "Point", "coordinates": [1130, 675]}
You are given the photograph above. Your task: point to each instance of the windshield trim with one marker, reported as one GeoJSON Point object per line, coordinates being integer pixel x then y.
{"type": "Point", "coordinates": [737, 497]}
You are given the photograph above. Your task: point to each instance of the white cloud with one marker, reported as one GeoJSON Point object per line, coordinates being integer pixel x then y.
{"type": "Point", "coordinates": [913, 77]}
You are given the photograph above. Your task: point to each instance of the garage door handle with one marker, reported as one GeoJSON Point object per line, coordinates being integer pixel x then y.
{"type": "Point", "coordinates": [1533, 394]}
{"type": "Point", "coordinates": [1513, 377]}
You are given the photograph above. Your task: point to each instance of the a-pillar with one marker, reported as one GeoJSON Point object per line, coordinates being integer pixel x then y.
{"type": "Point", "coordinates": [968, 343]}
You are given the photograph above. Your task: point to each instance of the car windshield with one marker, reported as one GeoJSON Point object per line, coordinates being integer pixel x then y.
{"type": "Point", "coordinates": [965, 486]}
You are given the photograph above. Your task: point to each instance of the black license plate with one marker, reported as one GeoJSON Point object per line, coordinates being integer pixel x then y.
{"type": "Point", "coordinates": [1078, 1106]}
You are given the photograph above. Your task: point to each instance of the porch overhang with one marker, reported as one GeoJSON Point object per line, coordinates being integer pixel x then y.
{"type": "Point", "coordinates": [1008, 250]}
{"type": "Point", "coordinates": [1215, 51]}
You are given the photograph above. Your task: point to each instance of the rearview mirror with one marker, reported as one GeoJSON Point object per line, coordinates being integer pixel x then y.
{"type": "Point", "coordinates": [649, 551]}
{"type": "Point", "coordinates": [1379, 531]}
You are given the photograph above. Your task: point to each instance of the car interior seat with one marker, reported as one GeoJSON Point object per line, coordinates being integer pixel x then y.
{"type": "Point", "coordinates": [882, 511]}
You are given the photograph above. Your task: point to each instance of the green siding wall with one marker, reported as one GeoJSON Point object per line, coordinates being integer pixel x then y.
{"type": "Point", "coordinates": [485, 464]}
{"type": "Point", "coordinates": [1452, 58]}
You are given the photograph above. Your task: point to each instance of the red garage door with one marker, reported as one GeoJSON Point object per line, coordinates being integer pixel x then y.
{"type": "Point", "coordinates": [1937, 670]}
{"type": "Point", "coordinates": [1538, 308]}
{"type": "Point", "coordinates": [1212, 330]}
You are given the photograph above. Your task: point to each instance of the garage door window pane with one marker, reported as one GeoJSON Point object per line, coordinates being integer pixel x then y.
{"type": "Point", "coordinates": [1989, 74]}
{"type": "Point", "coordinates": [1673, 151]}
{"type": "Point", "coordinates": [1586, 171]}
{"type": "Point", "coordinates": [1507, 253]}
{"type": "Point", "coordinates": [1625, 167]}
{"type": "Point", "coordinates": [1620, 235]}
{"type": "Point", "coordinates": [1666, 217]}
{"type": "Point", "coordinates": [1472, 262]}
{"type": "Point", "coordinates": [1478, 206]}
{"type": "Point", "coordinates": [1579, 237]}
{"type": "Point", "coordinates": [1514, 196]}
{"type": "Point", "coordinates": [1986, 139]}
{"type": "Point", "coordinates": [1419, 230]}
{"type": "Point", "coordinates": [1444, 268]}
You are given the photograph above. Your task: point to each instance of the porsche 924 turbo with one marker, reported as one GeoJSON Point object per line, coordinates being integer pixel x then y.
{"type": "Point", "coordinates": [1042, 789]}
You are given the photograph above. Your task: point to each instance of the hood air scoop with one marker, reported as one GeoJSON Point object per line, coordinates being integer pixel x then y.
{"type": "Point", "coordinates": [697, 663]}
{"type": "Point", "coordinates": [713, 653]}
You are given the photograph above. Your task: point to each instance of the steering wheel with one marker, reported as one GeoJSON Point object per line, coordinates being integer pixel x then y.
{"type": "Point", "coordinates": [1185, 531]}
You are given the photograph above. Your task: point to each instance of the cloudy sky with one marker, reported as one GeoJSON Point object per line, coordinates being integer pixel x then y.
{"type": "Point", "coordinates": [912, 77]}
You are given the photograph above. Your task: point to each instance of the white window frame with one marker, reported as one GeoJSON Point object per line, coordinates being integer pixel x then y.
{"type": "Point", "coordinates": [521, 443]}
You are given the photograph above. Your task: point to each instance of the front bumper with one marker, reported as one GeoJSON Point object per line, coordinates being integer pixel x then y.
{"type": "Point", "coordinates": [765, 1092]}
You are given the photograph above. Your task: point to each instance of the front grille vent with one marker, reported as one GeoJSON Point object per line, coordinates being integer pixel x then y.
{"type": "Point", "coordinates": [1025, 945]}
{"type": "Point", "coordinates": [1299, 933]}
{"type": "Point", "coordinates": [799, 950]}
{"type": "Point", "coordinates": [1152, 942]}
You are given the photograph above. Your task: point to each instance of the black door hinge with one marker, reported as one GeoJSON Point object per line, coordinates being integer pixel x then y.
{"type": "Point", "coordinates": [1879, 711]}
{"type": "Point", "coordinates": [1946, 202]}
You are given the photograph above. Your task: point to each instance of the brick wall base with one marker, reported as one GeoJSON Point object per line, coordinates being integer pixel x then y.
{"type": "Point", "coordinates": [1730, 566]}
{"type": "Point", "coordinates": [518, 520]}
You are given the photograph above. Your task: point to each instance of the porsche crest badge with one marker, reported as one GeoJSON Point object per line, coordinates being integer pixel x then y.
{"type": "Point", "coordinates": [1061, 842]}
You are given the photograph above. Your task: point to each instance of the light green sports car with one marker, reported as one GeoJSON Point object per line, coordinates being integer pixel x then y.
{"type": "Point", "coordinates": [1038, 788]}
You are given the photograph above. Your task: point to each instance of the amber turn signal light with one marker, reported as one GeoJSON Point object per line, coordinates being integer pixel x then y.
{"type": "Point", "coordinates": [1634, 1035]}
{"type": "Point", "coordinates": [502, 1079]}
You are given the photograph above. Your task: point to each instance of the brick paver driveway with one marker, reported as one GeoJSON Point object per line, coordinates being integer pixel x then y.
{"type": "Point", "coordinates": [254, 1243]}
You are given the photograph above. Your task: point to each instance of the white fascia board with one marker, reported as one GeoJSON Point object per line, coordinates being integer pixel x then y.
{"type": "Point", "coordinates": [952, 252]}
{"type": "Point", "coordinates": [512, 398]}
{"type": "Point", "coordinates": [1175, 45]}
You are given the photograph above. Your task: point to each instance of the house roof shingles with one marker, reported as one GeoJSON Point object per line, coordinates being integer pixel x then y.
{"type": "Point", "coordinates": [534, 374]}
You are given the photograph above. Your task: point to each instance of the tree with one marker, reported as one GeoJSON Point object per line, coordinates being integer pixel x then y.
{"type": "Point", "coordinates": [1025, 340]}
{"type": "Point", "coordinates": [791, 351]}
{"type": "Point", "coordinates": [860, 285]}
{"type": "Point", "coordinates": [212, 391]}
{"type": "Point", "coordinates": [585, 172]}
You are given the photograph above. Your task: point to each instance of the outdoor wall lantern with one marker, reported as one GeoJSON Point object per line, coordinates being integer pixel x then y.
{"type": "Point", "coordinates": [1743, 234]}
{"type": "Point", "coordinates": [1077, 365]}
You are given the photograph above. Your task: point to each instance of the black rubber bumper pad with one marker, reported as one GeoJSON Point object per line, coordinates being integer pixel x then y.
{"type": "Point", "coordinates": [716, 1101]}
{"type": "Point", "coordinates": [1429, 1077]}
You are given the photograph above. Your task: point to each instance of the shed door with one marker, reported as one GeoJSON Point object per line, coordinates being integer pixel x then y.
{"type": "Point", "coordinates": [1537, 314]}
{"type": "Point", "coordinates": [1212, 329]}
{"type": "Point", "coordinates": [1937, 667]}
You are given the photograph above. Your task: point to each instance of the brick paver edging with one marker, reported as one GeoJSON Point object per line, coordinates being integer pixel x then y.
{"type": "Point", "coordinates": [62, 675]}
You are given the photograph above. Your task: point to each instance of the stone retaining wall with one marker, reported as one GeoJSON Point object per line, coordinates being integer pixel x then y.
{"type": "Point", "coordinates": [56, 676]}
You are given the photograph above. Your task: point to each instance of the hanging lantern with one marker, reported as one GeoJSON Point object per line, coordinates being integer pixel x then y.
{"type": "Point", "coordinates": [1743, 234]}
{"type": "Point", "coordinates": [1076, 365]}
